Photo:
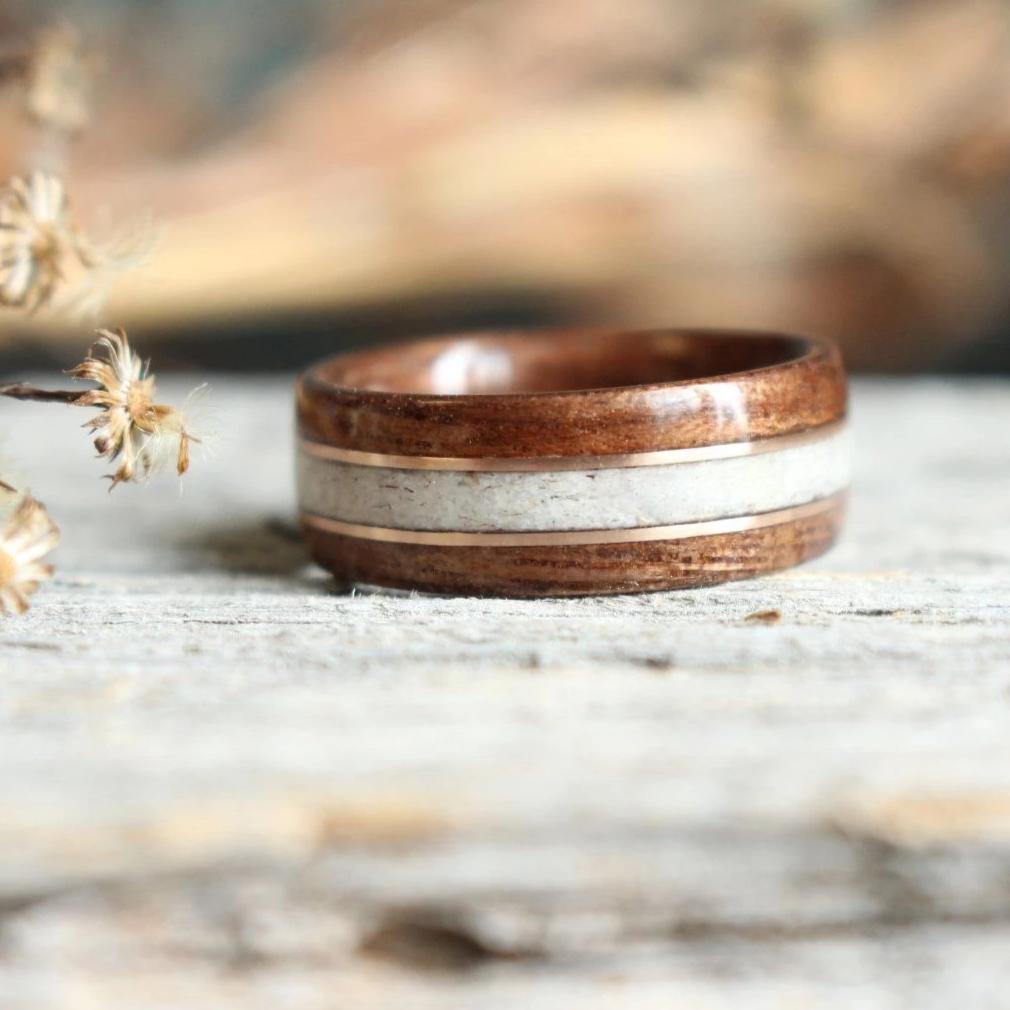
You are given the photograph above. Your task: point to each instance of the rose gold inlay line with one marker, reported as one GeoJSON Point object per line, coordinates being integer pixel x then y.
{"type": "Point", "coordinates": [545, 464]}
{"type": "Point", "coordinates": [679, 531]}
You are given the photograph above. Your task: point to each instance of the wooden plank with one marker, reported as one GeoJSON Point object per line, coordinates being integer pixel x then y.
{"type": "Point", "coordinates": [224, 783]}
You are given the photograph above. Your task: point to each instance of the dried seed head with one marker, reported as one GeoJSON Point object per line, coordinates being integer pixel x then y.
{"type": "Point", "coordinates": [143, 435]}
{"type": "Point", "coordinates": [37, 239]}
{"type": "Point", "coordinates": [41, 246]}
{"type": "Point", "coordinates": [27, 536]}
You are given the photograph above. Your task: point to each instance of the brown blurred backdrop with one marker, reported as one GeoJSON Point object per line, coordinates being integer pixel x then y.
{"type": "Point", "coordinates": [331, 173]}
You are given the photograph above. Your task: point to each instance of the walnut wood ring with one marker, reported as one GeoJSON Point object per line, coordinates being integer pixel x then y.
{"type": "Point", "coordinates": [569, 462]}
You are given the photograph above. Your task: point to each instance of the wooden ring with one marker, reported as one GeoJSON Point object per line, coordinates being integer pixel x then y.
{"type": "Point", "coordinates": [568, 462]}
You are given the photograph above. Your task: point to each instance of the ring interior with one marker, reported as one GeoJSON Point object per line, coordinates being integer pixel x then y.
{"type": "Point", "coordinates": [558, 361]}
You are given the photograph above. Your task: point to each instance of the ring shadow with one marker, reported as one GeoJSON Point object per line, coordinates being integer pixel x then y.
{"type": "Point", "coordinates": [271, 545]}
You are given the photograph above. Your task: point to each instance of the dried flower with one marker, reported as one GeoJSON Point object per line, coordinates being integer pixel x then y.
{"type": "Point", "coordinates": [59, 81]}
{"type": "Point", "coordinates": [40, 243]}
{"type": "Point", "coordinates": [37, 237]}
{"type": "Point", "coordinates": [28, 535]}
{"type": "Point", "coordinates": [142, 434]}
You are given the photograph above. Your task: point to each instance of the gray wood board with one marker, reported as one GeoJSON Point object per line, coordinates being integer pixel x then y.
{"type": "Point", "coordinates": [226, 783]}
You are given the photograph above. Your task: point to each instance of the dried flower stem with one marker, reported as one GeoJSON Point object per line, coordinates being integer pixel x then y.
{"type": "Point", "coordinates": [22, 391]}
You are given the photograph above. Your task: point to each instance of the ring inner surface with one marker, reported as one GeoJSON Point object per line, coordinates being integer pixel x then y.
{"type": "Point", "coordinates": [504, 363]}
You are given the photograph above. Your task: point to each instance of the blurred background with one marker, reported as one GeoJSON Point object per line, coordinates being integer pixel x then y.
{"type": "Point", "coordinates": [329, 173]}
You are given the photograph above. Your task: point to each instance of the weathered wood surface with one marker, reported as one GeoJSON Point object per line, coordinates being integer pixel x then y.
{"type": "Point", "coordinates": [224, 784]}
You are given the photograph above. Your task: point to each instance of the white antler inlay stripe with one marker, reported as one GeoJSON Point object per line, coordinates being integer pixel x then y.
{"type": "Point", "coordinates": [545, 501]}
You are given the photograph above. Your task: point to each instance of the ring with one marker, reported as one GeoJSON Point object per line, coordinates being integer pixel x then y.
{"type": "Point", "coordinates": [573, 462]}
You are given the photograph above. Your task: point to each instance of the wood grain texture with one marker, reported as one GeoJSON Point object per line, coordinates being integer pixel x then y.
{"type": "Point", "coordinates": [397, 400]}
{"type": "Point", "coordinates": [224, 785]}
{"type": "Point", "coordinates": [577, 570]}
